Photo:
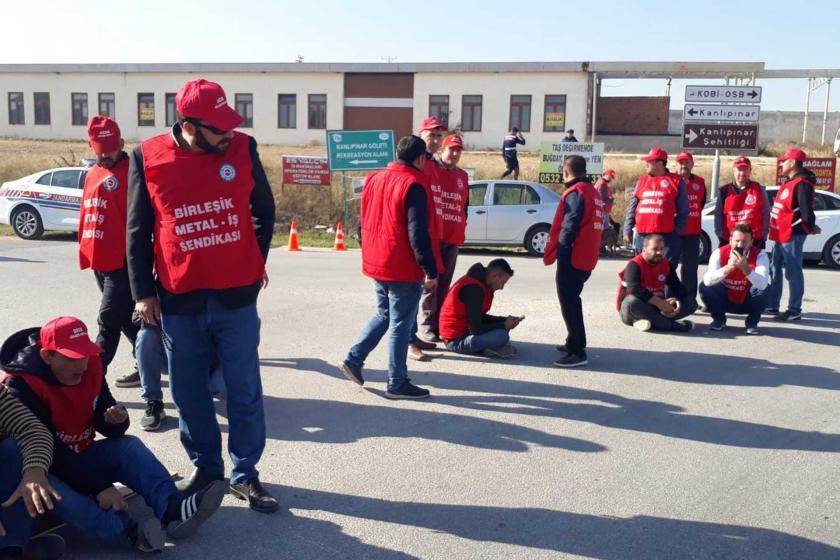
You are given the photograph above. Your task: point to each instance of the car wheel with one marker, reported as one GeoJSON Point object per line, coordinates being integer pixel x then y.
{"type": "Point", "coordinates": [536, 240]}
{"type": "Point", "coordinates": [705, 248]}
{"type": "Point", "coordinates": [831, 252]}
{"type": "Point", "coordinates": [27, 222]}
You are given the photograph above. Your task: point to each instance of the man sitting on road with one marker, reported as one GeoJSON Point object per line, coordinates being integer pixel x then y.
{"type": "Point", "coordinates": [641, 293]}
{"type": "Point", "coordinates": [736, 281]}
{"type": "Point", "coordinates": [465, 325]}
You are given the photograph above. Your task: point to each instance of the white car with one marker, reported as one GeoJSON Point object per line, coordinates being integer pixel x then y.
{"type": "Point", "coordinates": [510, 213]}
{"type": "Point", "coordinates": [44, 201]}
{"type": "Point", "coordinates": [824, 246]}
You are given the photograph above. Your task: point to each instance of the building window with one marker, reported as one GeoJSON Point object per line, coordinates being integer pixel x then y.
{"type": "Point", "coordinates": [439, 107]}
{"type": "Point", "coordinates": [145, 109]}
{"type": "Point", "coordinates": [245, 107]}
{"type": "Point", "coordinates": [16, 107]}
{"type": "Point", "coordinates": [287, 110]}
{"type": "Point", "coordinates": [471, 113]}
{"type": "Point", "coordinates": [107, 105]}
{"type": "Point", "coordinates": [318, 110]}
{"type": "Point", "coordinates": [42, 107]}
{"type": "Point", "coordinates": [520, 112]}
{"type": "Point", "coordinates": [80, 109]}
{"type": "Point", "coordinates": [555, 113]}
{"type": "Point", "coordinates": [171, 114]}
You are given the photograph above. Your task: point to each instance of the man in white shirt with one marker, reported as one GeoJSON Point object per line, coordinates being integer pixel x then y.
{"type": "Point", "coordinates": [736, 281]}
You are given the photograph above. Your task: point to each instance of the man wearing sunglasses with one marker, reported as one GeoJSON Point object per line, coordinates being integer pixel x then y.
{"type": "Point", "coordinates": [200, 219]}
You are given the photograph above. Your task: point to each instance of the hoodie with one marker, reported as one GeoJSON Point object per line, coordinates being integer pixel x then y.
{"type": "Point", "coordinates": [804, 218]}
{"type": "Point", "coordinates": [21, 360]}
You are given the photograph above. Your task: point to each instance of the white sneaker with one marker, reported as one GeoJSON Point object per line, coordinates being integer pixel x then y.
{"type": "Point", "coordinates": [642, 325]}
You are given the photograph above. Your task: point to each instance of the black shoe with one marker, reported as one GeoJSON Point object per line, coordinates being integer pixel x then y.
{"type": "Point", "coordinates": [682, 326]}
{"type": "Point", "coordinates": [407, 391]}
{"type": "Point", "coordinates": [571, 360]}
{"type": "Point", "coordinates": [153, 417]}
{"type": "Point", "coordinates": [788, 316]}
{"type": "Point", "coordinates": [422, 344]}
{"type": "Point", "coordinates": [718, 325]}
{"type": "Point", "coordinates": [147, 535]}
{"type": "Point", "coordinates": [195, 509]}
{"type": "Point", "coordinates": [258, 497]}
{"type": "Point", "coordinates": [130, 380]}
{"type": "Point", "coordinates": [751, 330]}
{"type": "Point", "coordinates": [353, 373]}
{"type": "Point", "coordinates": [45, 547]}
{"type": "Point", "coordinates": [562, 348]}
{"type": "Point", "coordinates": [772, 311]}
{"type": "Point", "coordinates": [197, 481]}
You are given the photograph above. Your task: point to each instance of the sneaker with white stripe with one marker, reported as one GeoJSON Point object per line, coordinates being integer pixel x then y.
{"type": "Point", "coordinates": [196, 509]}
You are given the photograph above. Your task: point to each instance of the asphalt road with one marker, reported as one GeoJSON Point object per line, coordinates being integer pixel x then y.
{"type": "Point", "coordinates": [666, 446]}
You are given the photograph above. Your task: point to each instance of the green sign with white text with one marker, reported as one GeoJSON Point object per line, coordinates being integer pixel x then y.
{"type": "Point", "coordinates": [359, 150]}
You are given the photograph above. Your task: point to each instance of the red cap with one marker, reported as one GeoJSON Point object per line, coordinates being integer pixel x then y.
{"type": "Point", "coordinates": [655, 154]}
{"type": "Point", "coordinates": [685, 156]}
{"type": "Point", "coordinates": [69, 337]}
{"type": "Point", "coordinates": [103, 134]}
{"type": "Point", "coordinates": [793, 153]}
{"type": "Point", "coordinates": [742, 161]}
{"type": "Point", "coordinates": [430, 123]}
{"type": "Point", "coordinates": [206, 101]}
{"type": "Point", "coordinates": [609, 174]}
{"type": "Point", "coordinates": [453, 141]}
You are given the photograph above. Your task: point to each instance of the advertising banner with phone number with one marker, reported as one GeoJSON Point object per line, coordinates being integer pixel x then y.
{"type": "Point", "coordinates": [553, 154]}
{"type": "Point", "coordinates": [824, 168]}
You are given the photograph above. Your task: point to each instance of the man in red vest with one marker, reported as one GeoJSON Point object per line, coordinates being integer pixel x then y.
{"type": "Point", "coordinates": [575, 242]}
{"type": "Point", "coordinates": [659, 205]}
{"type": "Point", "coordinates": [102, 239]}
{"type": "Point", "coordinates": [200, 220]}
{"type": "Point", "coordinates": [398, 254]}
{"type": "Point", "coordinates": [452, 213]}
{"type": "Point", "coordinates": [736, 281]}
{"type": "Point", "coordinates": [602, 185]}
{"type": "Point", "coordinates": [742, 201]}
{"type": "Point", "coordinates": [792, 219]}
{"type": "Point", "coordinates": [465, 324]}
{"type": "Point", "coordinates": [642, 301]}
{"type": "Point", "coordinates": [690, 250]}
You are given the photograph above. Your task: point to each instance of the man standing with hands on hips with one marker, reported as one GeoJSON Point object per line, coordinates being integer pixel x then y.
{"type": "Point", "coordinates": [201, 216]}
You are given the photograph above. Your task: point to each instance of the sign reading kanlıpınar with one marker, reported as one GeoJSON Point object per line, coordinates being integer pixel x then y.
{"type": "Point", "coordinates": [720, 136]}
{"type": "Point", "coordinates": [305, 170]}
{"type": "Point", "coordinates": [721, 113]}
{"type": "Point", "coordinates": [553, 154]}
{"type": "Point", "coordinates": [823, 168]}
{"type": "Point", "coordinates": [353, 150]}
{"type": "Point", "coordinates": [723, 94]}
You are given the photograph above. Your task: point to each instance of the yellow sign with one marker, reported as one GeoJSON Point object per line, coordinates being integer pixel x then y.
{"type": "Point", "coordinates": [555, 120]}
{"type": "Point", "coordinates": [147, 114]}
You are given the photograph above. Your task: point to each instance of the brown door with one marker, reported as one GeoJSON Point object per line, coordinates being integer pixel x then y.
{"type": "Point", "coordinates": [379, 101]}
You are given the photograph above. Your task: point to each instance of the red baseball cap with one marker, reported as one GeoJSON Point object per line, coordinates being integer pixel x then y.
{"type": "Point", "coordinates": [793, 153]}
{"type": "Point", "coordinates": [454, 141]}
{"type": "Point", "coordinates": [103, 134]}
{"type": "Point", "coordinates": [656, 154]}
{"type": "Point", "coordinates": [609, 174]}
{"type": "Point", "coordinates": [742, 161]}
{"type": "Point", "coordinates": [69, 337]}
{"type": "Point", "coordinates": [431, 123]}
{"type": "Point", "coordinates": [206, 101]}
{"type": "Point", "coordinates": [685, 156]}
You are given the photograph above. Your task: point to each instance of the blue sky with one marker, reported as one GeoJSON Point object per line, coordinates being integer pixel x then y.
{"type": "Point", "coordinates": [773, 32]}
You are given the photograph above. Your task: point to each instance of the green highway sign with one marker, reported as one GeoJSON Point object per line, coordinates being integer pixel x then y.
{"type": "Point", "coordinates": [354, 150]}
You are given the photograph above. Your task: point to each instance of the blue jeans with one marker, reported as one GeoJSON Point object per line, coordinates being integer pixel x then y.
{"type": "Point", "coordinates": [718, 304]}
{"type": "Point", "coordinates": [193, 342]}
{"type": "Point", "coordinates": [15, 519]}
{"type": "Point", "coordinates": [396, 314]}
{"type": "Point", "coordinates": [787, 256]}
{"type": "Point", "coordinates": [690, 258]}
{"type": "Point", "coordinates": [474, 343]}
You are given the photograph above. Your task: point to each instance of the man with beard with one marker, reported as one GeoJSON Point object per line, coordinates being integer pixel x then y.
{"type": "Point", "coordinates": [201, 216]}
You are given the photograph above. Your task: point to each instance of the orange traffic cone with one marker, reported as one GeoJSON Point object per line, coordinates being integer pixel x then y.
{"type": "Point", "coordinates": [293, 238]}
{"type": "Point", "coordinates": [339, 238]}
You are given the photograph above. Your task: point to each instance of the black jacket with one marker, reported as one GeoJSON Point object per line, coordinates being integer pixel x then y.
{"type": "Point", "coordinates": [20, 354]}
{"type": "Point", "coordinates": [473, 298]}
{"type": "Point", "coordinates": [804, 218]}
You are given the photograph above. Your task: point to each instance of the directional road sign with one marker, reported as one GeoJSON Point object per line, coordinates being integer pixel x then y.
{"type": "Point", "coordinates": [721, 113]}
{"type": "Point", "coordinates": [354, 150]}
{"type": "Point", "coordinates": [720, 136]}
{"type": "Point", "coordinates": [723, 94]}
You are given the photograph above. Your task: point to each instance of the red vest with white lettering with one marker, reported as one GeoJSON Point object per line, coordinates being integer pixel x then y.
{"type": "Point", "coordinates": [432, 170]}
{"type": "Point", "coordinates": [743, 208]}
{"type": "Point", "coordinates": [454, 321]}
{"type": "Point", "coordinates": [736, 283]}
{"type": "Point", "coordinates": [204, 236]}
{"type": "Point", "coordinates": [587, 245]}
{"type": "Point", "coordinates": [654, 278]}
{"type": "Point", "coordinates": [696, 189]}
{"type": "Point", "coordinates": [782, 214]}
{"type": "Point", "coordinates": [71, 407]}
{"type": "Point", "coordinates": [603, 188]}
{"type": "Point", "coordinates": [454, 193]}
{"type": "Point", "coordinates": [102, 218]}
{"type": "Point", "coordinates": [386, 252]}
{"type": "Point", "coordinates": [657, 206]}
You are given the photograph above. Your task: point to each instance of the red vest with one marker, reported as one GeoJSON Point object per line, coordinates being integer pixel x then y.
{"type": "Point", "coordinates": [587, 244]}
{"type": "Point", "coordinates": [386, 252]}
{"type": "Point", "coordinates": [654, 278]}
{"type": "Point", "coordinates": [71, 408]}
{"type": "Point", "coordinates": [454, 322]}
{"type": "Point", "coordinates": [603, 188]}
{"type": "Point", "coordinates": [736, 283]}
{"type": "Point", "coordinates": [781, 215]}
{"type": "Point", "coordinates": [657, 206]}
{"type": "Point", "coordinates": [432, 170]}
{"type": "Point", "coordinates": [743, 208]}
{"type": "Point", "coordinates": [102, 218]}
{"type": "Point", "coordinates": [454, 194]}
{"type": "Point", "coordinates": [696, 189]}
{"type": "Point", "coordinates": [204, 235]}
